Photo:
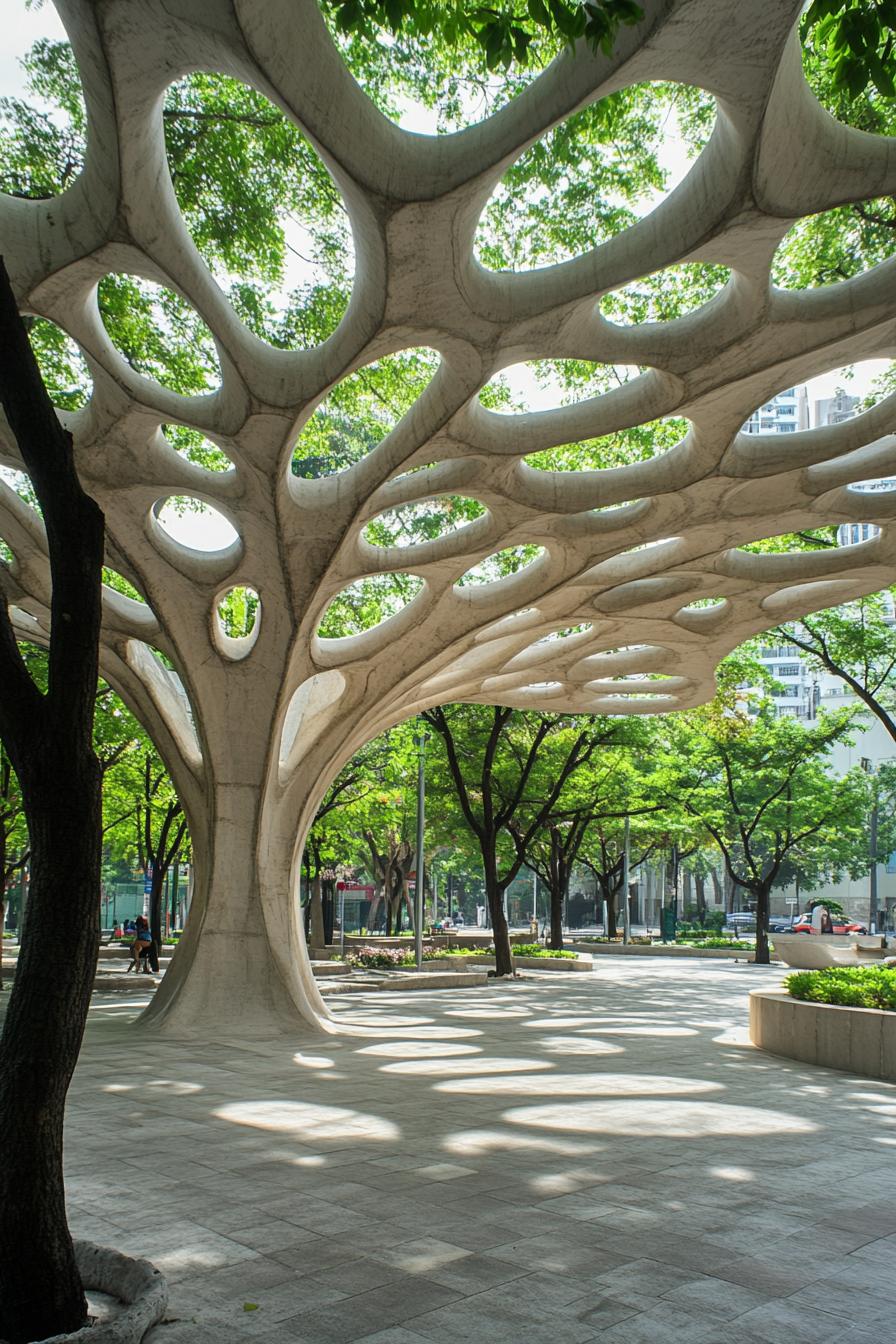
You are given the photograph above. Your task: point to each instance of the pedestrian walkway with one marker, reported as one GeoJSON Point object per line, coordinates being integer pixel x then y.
{"type": "Point", "coordinates": [594, 1158]}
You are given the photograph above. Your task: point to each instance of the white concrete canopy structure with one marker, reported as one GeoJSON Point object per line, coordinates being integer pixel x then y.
{"type": "Point", "coordinates": [253, 732]}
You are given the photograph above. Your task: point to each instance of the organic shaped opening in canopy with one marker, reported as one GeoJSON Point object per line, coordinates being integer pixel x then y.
{"type": "Point", "coordinates": [423, 520]}
{"type": "Point", "coordinates": [555, 635]}
{"type": "Point", "coordinates": [367, 603]}
{"type": "Point", "coordinates": [884, 486]}
{"type": "Point", "coordinates": [852, 79]}
{"type": "Point", "coordinates": [545, 384]}
{"type": "Point", "coordinates": [20, 483]}
{"type": "Point", "coordinates": [435, 84]}
{"type": "Point", "coordinates": [706, 604]}
{"type": "Point", "coordinates": [238, 612]}
{"type": "Point", "coordinates": [193, 446]}
{"type": "Point", "coordinates": [159, 334]}
{"type": "Point", "coordinates": [62, 366]}
{"type": "Point", "coordinates": [639, 695]}
{"type": "Point", "coordinates": [835, 245]}
{"type": "Point", "coordinates": [43, 154]}
{"type": "Point", "coordinates": [237, 622]}
{"type": "Point", "coordinates": [638, 443]}
{"type": "Point", "coordinates": [665, 295]}
{"type": "Point", "coordinates": [6, 555]}
{"type": "Point", "coordinates": [790, 543]}
{"type": "Point", "coordinates": [593, 176]}
{"type": "Point", "coordinates": [261, 208]}
{"type": "Point", "coordinates": [360, 411]}
{"type": "Point", "coordinates": [119, 584]}
{"type": "Point", "coordinates": [509, 561]}
{"type": "Point", "coordinates": [193, 523]}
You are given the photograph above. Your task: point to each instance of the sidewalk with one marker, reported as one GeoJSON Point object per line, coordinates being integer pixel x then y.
{"type": "Point", "coordinates": [598, 1158]}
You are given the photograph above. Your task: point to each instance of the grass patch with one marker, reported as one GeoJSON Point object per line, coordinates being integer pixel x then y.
{"type": "Point", "coordinates": [846, 986]}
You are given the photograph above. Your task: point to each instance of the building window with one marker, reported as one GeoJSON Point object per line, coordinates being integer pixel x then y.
{"type": "Point", "coordinates": [789, 670]}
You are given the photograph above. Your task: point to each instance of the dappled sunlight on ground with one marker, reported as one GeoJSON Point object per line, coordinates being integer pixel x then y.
{"type": "Point", "coordinates": [448, 1157]}
{"type": "Point", "coordinates": [305, 1119]}
{"type": "Point", "coordinates": [677, 1120]}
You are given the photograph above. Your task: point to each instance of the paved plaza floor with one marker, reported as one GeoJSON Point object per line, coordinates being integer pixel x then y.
{"type": "Point", "coordinates": [560, 1159]}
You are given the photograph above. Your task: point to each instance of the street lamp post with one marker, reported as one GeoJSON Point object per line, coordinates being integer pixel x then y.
{"type": "Point", "coordinates": [420, 740]}
{"type": "Point", "coordinates": [626, 909]}
{"type": "Point", "coordinates": [871, 770]}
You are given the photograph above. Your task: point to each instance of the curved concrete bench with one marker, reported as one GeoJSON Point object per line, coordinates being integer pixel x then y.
{"type": "Point", "coordinates": [816, 952]}
{"type": "Point", "coordinates": [856, 1040]}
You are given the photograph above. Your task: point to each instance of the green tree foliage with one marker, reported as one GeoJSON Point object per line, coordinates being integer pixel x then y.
{"type": "Point", "coordinates": [857, 644]}
{"type": "Point", "coordinates": [760, 786]}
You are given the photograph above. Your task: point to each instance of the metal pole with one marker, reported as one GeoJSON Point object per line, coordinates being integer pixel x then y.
{"type": "Point", "coordinates": [626, 910]}
{"type": "Point", "coordinates": [420, 742]}
{"type": "Point", "coordinates": [872, 917]}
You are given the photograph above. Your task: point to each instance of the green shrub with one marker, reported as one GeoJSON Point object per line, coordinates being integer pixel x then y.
{"type": "Point", "coordinates": [536, 950]}
{"type": "Point", "coordinates": [847, 986]}
{"type": "Point", "coordinates": [737, 943]}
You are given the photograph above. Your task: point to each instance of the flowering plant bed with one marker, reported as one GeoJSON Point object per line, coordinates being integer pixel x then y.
{"type": "Point", "coordinates": [386, 958]}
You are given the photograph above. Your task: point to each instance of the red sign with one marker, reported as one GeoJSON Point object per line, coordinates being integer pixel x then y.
{"type": "Point", "coordinates": [357, 887]}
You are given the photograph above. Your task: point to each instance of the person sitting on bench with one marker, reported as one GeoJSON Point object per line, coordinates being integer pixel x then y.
{"type": "Point", "coordinates": [141, 946]}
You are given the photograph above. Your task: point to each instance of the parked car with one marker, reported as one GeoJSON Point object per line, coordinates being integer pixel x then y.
{"type": "Point", "coordinates": [741, 921]}
{"type": "Point", "coordinates": [780, 924]}
{"type": "Point", "coordinates": [841, 924]}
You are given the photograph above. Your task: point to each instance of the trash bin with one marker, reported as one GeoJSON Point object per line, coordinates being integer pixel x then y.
{"type": "Point", "coordinates": [667, 924]}
{"type": "Point", "coordinates": [533, 928]}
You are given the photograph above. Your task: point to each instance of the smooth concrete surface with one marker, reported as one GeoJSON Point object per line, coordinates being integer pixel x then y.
{"type": "Point", "coordinates": [625, 557]}
{"type": "Point", "coordinates": [858, 1040]}
{"type": "Point", "coordinates": [816, 952]}
{"type": "Point", "coordinates": [549, 1161]}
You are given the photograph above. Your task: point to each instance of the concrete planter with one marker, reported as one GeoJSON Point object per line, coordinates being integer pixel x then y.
{"type": "Point", "coordinates": [581, 963]}
{"type": "Point", "coordinates": [856, 1040]}
{"type": "Point", "coordinates": [662, 950]}
{"type": "Point", "coordinates": [136, 1283]}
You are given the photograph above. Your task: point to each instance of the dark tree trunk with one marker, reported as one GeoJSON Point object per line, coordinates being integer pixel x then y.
{"type": "Point", "coordinates": [48, 738]}
{"type": "Point", "coordinates": [40, 1289]}
{"type": "Point", "coordinates": [761, 894]}
{"type": "Point", "coordinates": [700, 889]}
{"type": "Point", "coordinates": [717, 887]}
{"type": "Point", "coordinates": [558, 886]}
{"type": "Point", "coordinates": [494, 891]}
{"type": "Point", "coordinates": [608, 899]}
{"type": "Point", "coordinates": [156, 896]}
{"type": "Point", "coordinates": [557, 893]}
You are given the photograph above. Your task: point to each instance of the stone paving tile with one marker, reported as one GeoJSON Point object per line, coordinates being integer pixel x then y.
{"type": "Point", "coordinates": [364, 1313]}
{"type": "Point", "coordinates": [599, 1161]}
{"type": "Point", "coordinates": [791, 1323]}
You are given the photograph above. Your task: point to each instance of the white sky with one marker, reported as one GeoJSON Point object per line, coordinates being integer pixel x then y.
{"type": "Point", "coordinates": [22, 26]}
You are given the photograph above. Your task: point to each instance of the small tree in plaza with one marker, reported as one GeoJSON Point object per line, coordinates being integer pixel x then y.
{"type": "Point", "coordinates": [762, 788]}
{"type": "Point", "coordinates": [508, 770]}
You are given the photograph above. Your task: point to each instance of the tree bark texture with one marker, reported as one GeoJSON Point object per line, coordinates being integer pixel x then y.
{"type": "Point", "coordinates": [48, 738]}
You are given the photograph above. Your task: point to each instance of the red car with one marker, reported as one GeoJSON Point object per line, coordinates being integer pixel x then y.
{"type": "Point", "coordinates": [841, 924]}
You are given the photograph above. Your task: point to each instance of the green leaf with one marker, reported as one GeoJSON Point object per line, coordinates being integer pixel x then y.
{"type": "Point", "coordinates": [250, 1306]}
